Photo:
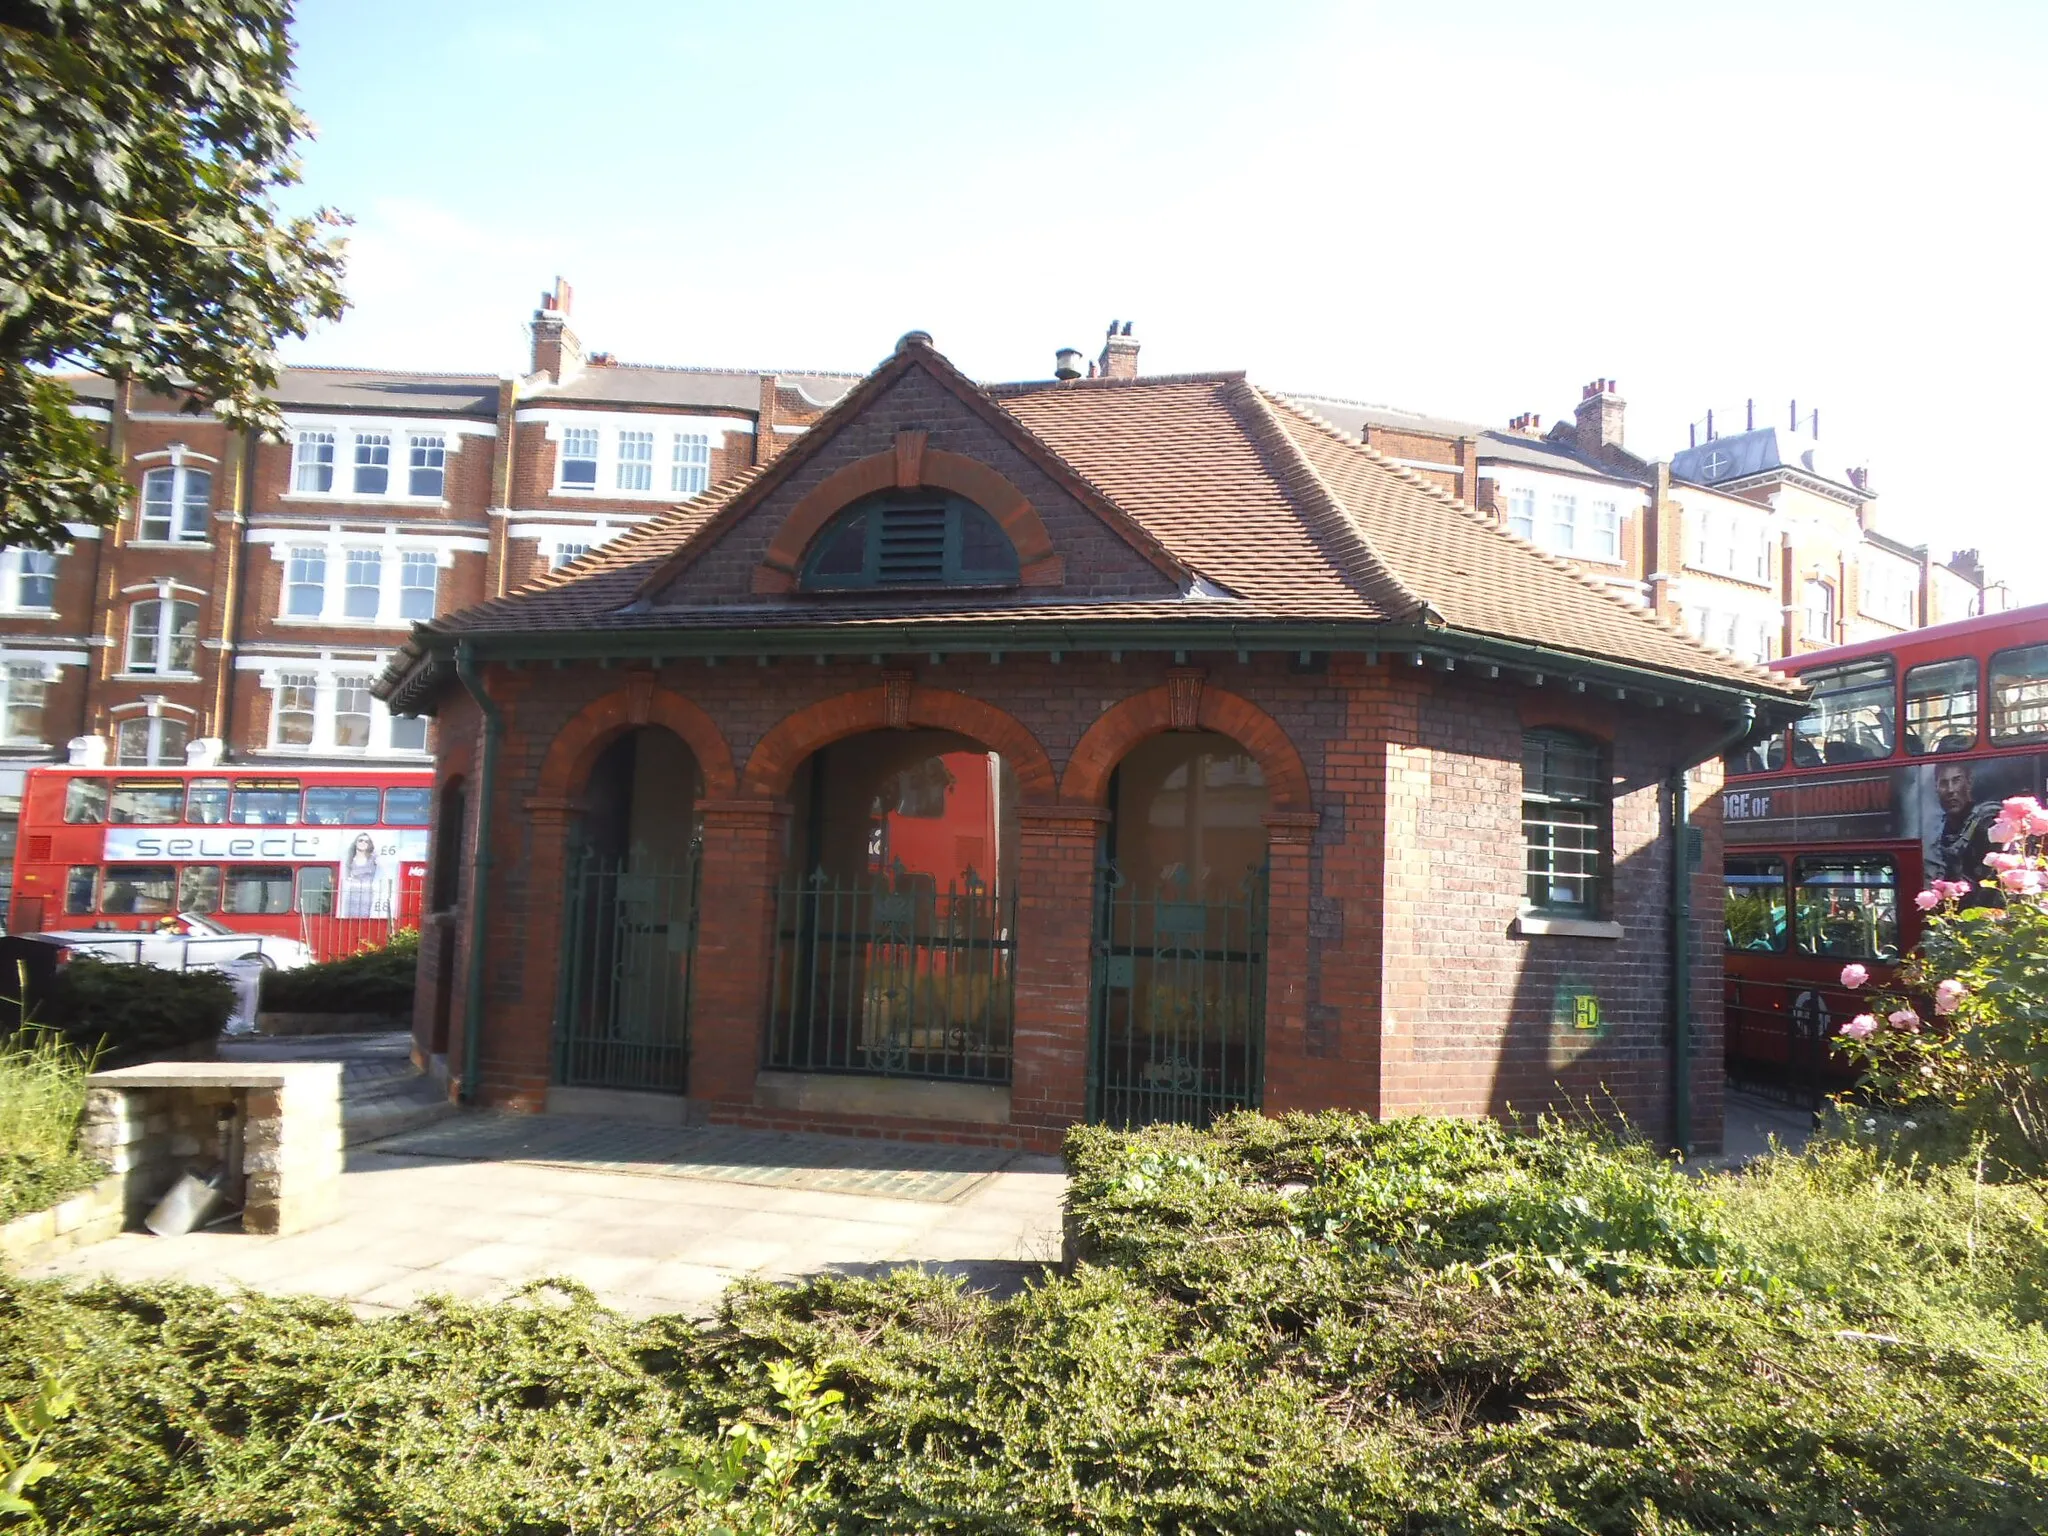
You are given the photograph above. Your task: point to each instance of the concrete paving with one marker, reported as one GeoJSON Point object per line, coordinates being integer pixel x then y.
{"type": "Point", "coordinates": [415, 1226]}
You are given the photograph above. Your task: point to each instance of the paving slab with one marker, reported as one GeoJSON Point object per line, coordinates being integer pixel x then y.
{"type": "Point", "coordinates": [666, 1227]}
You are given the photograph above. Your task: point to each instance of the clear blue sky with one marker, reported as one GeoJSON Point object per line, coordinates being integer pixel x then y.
{"type": "Point", "coordinates": [1469, 209]}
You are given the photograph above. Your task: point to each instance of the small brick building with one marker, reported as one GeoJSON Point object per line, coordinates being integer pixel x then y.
{"type": "Point", "coordinates": [1119, 748]}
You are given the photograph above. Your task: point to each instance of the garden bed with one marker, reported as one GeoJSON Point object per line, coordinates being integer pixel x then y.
{"type": "Point", "coordinates": [1316, 1324]}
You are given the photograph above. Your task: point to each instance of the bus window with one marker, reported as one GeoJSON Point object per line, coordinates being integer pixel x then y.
{"type": "Point", "coordinates": [206, 802]}
{"type": "Point", "coordinates": [1756, 906]}
{"type": "Point", "coordinates": [85, 801]}
{"type": "Point", "coordinates": [81, 886]}
{"type": "Point", "coordinates": [1941, 706]}
{"type": "Point", "coordinates": [199, 888]}
{"type": "Point", "coordinates": [258, 890]}
{"type": "Point", "coordinates": [142, 888]}
{"type": "Point", "coordinates": [147, 803]}
{"type": "Point", "coordinates": [407, 807]}
{"type": "Point", "coordinates": [1848, 907]}
{"type": "Point", "coordinates": [1850, 717]}
{"type": "Point", "coordinates": [2019, 694]}
{"type": "Point", "coordinates": [316, 890]}
{"type": "Point", "coordinates": [265, 803]}
{"type": "Point", "coordinates": [1760, 756]}
{"type": "Point", "coordinates": [341, 805]}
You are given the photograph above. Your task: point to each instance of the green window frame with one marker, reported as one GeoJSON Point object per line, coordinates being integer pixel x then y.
{"type": "Point", "coordinates": [910, 539]}
{"type": "Point", "coordinates": [1567, 825]}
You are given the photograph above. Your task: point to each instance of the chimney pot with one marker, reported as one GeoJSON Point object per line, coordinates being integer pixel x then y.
{"type": "Point", "coordinates": [1066, 363]}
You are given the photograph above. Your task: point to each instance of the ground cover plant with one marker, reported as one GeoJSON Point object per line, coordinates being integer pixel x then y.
{"type": "Point", "coordinates": [42, 1094]}
{"type": "Point", "coordinates": [1309, 1324]}
{"type": "Point", "coordinates": [377, 980]}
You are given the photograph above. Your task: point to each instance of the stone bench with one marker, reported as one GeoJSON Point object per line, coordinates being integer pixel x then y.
{"type": "Point", "coordinates": [151, 1123]}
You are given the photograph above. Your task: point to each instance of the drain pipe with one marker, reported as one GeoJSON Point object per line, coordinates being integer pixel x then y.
{"type": "Point", "coordinates": [1681, 923]}
{"type": "Point", "coordinates": [480, 880]}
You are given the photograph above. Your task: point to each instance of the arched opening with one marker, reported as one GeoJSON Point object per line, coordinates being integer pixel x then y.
{"type": "Point", "coordinates": [630, 919]}
{"type": "Point", "coordinates": [1180, 922]}
{"type": "Point", "coordinates": [895, 913]}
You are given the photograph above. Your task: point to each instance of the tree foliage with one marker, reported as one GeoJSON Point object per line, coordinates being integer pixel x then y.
{"type": "Point", "coordinates": [142, 143]}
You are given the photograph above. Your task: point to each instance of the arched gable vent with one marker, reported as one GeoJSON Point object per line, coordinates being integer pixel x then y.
{"type": "Point", "coordinates": [910, 538]}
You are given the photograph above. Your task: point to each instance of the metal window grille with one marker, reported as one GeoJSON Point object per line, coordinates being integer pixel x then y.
{"type": "Point", "coordinates": [636, 461]}
{"type": "Point", "coordinates": [1564, 823]}
{"type": "Point", "coordinates": [889, 976]}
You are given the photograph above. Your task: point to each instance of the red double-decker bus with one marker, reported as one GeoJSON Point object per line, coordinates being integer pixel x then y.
{"type": "Point", "coordinates": [333, 857]}
{"type": "Point", "coordinates": [1890, 781]}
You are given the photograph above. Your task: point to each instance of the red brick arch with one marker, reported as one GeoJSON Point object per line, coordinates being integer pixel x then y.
{"type": "Point", "coordinates": [777, 756]}
{"type": "Point", "coordinates": [1150, 713]}
{"type": "Point", "coordinates": [574, 751]}
{"type": "Point", "coordinates": [1038, 566]}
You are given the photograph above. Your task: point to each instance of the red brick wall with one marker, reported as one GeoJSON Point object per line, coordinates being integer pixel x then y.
{"type": "Point", "coordinates": [1399, 981]}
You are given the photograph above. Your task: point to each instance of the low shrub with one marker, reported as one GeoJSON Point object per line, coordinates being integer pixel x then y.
{"type": "Point", "coordinates": [370, 981]}
{"type": "Point", "coordinates": [42, 1095]}
{"type": "Point", "coordinates": [1226, 1363]}
{"type": "Point", "coordinates": [128, 1013]}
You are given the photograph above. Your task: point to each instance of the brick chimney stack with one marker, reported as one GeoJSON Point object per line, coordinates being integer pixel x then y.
{"type": "Point", "coordinates": [1528, 424]}
{"type": "Point", "coordinates": [1599, 413]}
{"type": "Point", "coordinates": [1119, 353]}
{"type": "Point", "coordinates": [556, 351]}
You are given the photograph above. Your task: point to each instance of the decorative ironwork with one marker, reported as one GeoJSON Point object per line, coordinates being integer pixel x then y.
{"type": "Point", "coordinates": [622, 1013]}
{"type": "Point", "coordinates": [889, 976]}
{"type": "Point", "coordinates": [1179, 1014]}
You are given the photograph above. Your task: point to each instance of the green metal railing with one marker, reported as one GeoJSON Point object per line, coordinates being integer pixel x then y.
{"type": "Point", "coordinates": [889, 976]}
{"type": "Point", "coordinates": [622, 1014]}
{"type": "Point", "coordinates": [1179, 1009]}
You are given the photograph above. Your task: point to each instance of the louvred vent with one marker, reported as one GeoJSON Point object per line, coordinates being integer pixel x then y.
{"type": "Point", "coordinates": [913, 545]}
{"type": "Point", "coordinates": [39, 848]}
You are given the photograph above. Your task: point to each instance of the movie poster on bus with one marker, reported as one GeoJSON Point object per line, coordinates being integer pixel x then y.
{"type": "Point", "coordinates": [1951, 804]}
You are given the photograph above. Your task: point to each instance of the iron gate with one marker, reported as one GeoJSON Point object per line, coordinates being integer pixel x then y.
{"type": "Point", "coordinates": [622, 1019]}
{"type": "Point", "coordinates": [1179, 1008]}
{"type": "Point", "coordinates": [888, 975]}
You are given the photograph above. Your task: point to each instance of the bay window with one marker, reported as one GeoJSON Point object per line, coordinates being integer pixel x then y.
{"type": "Point", "coordinates": [174, 504]}
{"type": "Point", "coordinates": [163, 636]}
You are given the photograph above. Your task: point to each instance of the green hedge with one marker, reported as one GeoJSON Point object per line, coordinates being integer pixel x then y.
{"type": "Point", "coordinates": [371, 981]}
{"type": "Point", "coordinates": [131, 1013]}
{"type": "Point", "coordinates": [1311, 1325]}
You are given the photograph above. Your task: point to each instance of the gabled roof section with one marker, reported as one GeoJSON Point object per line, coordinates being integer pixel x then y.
{"type": "Point", "coordinates": [913, 351]}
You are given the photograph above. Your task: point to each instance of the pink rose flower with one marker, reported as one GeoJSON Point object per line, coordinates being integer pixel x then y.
{"type": "Point", "coordinates": [2035, 823]}
{"type": "Point", "coordinates": [1854, 976]}
{"type": "Point", "coordinates": [1929, 899]}
{"type": "Point", "coordinates": [2019, 808]}
{"type": "Point", "coordinates": [2020, 882]}
{"type": "Point", "coordinates": [2001, 862]}
{"type": "Point", "coordinates": [2003, 832]}
{"type": "Point", "coordinates": [1948, 995]}
{"type": "Point", "coordinates": [1907, 1020]}
{"type": "Point", "coordinates": [1956, 888]}
{"type": "Point", "coordinates": [1862, 1027]}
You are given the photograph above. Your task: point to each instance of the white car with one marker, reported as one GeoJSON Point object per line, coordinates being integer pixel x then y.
{"type": "Point", "coordinates": [195, 942]}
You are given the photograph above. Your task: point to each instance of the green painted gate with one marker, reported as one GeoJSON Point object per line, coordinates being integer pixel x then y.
{"type": "Point", "coordinates": [622, 1016]}
{"type": "Point", "coordinates": [1178, 1019]}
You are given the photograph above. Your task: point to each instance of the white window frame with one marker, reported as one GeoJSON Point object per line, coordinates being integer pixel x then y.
{"type": "Point", "coordinates": [306, 554]}
{"type": "Point", "coordinates": [161, 636]}
{"type": "Point", "coordinates": [689, 463]}
{"type": "Point", "coordinates": [1564, 519]}
{"type": "Point", "coordinates": [352, 683]}
{"type": "Point", "coordinates": [314, 466]}
{"type": "Point", "coordinates": [1606, 532]}
{"type": "Point", "coordinates": [566, 552]}
{"type": "Point", "coordinates": [15, 576]}
{"type": "Point", "coordinates": [324, 680]}
{"type": "Point", "coordinates": [153, 724]}
{"type": "Point", "coordinates": [337, 550]}
{"type": "Point", "coordinates": [15, 674]}
{"type": "Point", "coordinates": [355, 558]}
{"type": "Point", "coordinates": [297, 682]}
{"type": "Point", "coordinates": [633, 460]}
{"type": "Point", "coordinates": [410, 562]}
{"type": "Point", "coordinates": [369, 452]}
{"type": "Point", "coordinates": [1522, 512]}
{"type": "Point", "coordinates": [1813, 589]}
{"type": "Point", "coordinates": [182, 513]}
{"type": "Point", "coordinates": [433, 447]}
{"type": "Point", "coordinates": [575, 437]}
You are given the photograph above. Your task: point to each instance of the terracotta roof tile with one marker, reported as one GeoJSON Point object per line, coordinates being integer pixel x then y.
{"type": "Point", "coordinates": [1278, 516]}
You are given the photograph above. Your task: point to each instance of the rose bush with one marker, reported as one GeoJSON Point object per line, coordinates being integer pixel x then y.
{"type": "Point", "coordinates": [1984, 1069]}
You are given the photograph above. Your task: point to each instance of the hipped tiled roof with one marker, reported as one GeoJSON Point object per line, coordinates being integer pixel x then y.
{"type": "Point", "coordinates": [1278, 517]}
